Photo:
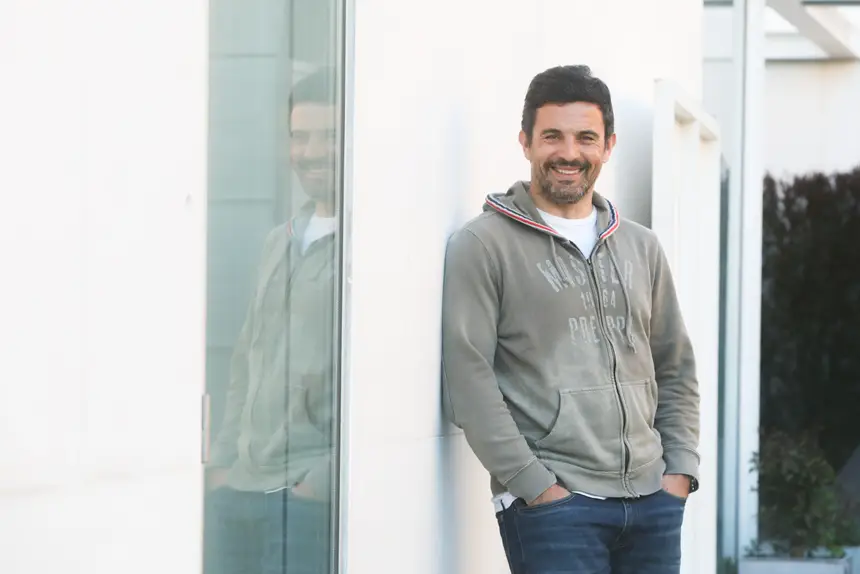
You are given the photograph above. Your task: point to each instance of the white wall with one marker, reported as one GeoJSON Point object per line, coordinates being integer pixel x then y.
{"type": "Point", "coordinates": [685, 201]}
{"type": "Point", "coordinates": [438, 96]}
{"type": "Point", "coordinates": [102, 218]}
{"type": "Point", "coordinates": [812, 120]}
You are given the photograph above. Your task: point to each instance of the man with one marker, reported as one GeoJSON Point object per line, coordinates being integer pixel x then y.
{"type": "Point", "coordinates": [565, 357]}
{"type": "Point", "coordinates": [269, 503]}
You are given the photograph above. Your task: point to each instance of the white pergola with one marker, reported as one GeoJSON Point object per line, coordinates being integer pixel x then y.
{"type": "Point", "coordinates": [798, 30]}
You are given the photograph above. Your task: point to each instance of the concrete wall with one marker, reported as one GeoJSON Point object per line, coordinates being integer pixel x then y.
{"type": "Point", "coordinates": [438, 96]}
{"type": "Point", "coordinates": [102, 222]}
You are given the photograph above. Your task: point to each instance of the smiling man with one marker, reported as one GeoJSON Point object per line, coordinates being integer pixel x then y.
{"type": "Point", "coordinates": [565, 357]}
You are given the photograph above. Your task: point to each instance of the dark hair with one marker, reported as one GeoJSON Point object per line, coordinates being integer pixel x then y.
{"type": "Point", "coordinates": [565, 85]}
{"type": "Point", "coordinates": [316, 88]}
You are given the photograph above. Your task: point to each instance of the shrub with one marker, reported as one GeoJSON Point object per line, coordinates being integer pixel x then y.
{"type": "Point", "coordinates": [800, 510]}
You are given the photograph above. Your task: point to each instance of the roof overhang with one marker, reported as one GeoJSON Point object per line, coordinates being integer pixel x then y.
{"type": "Point", "coordinates": [795, 29]}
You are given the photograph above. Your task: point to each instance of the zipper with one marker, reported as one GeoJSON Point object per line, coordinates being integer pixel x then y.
{"type": "Point", "coordinates": [205, 428]}
{"type": "Point", "coordinates": [625, 462]}
{"type": "Point", "coordinates": [292, 271]}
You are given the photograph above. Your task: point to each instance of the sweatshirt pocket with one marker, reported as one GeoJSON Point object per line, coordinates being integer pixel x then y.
{"type": "Point", "coordinates": [640, 400]}
{"type": "Point", "coordinates": [586, 431]}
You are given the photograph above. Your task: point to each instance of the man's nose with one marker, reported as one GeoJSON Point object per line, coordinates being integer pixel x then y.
{"type": "Point", "coordinates": [570, 149]}
{"type": "Point", "coordinates": [316, 147]}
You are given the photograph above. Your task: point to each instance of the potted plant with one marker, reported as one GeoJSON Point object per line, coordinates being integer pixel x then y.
{"type": "Point", "coordinates": [803, 523]}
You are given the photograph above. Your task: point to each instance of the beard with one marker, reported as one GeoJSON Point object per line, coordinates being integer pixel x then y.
{"type": "Point", "coordinates": [320, 192]}
{"type": "Point", "coordinates": [565, 193]}
{"type": "Point", "coordinates": [318, 182]}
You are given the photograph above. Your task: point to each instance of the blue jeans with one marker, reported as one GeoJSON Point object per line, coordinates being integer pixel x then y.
{"type": "Point", "coordinates": [266, 533]}
{"type": "Point", "coordinates": [581, 535]}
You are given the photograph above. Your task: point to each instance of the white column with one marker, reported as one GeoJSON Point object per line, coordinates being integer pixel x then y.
{"type": "Point", "coordinates": [749, 365]}
{"type": "Point", "coordinates": [743, 294]}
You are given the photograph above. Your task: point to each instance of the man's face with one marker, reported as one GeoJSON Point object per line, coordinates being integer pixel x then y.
{"type": "Point", "coordinates": [567, 150]}
{"type": "Point", "coordinates": [313, 149]}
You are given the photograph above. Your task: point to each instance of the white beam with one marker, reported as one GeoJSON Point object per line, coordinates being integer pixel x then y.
{"type": "Point", "coordinates": [826, 27]}
{"type": "Point", "coordinates": [718, 29]}
{"type": "Point", "coordinates": [792, 47]}
{"type": "Point", "coordinates": [777, 48]}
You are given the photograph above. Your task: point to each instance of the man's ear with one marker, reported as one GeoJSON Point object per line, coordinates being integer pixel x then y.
{"type": "Point", "coordinates": [610, 145]}
{"type": "Point", "coordinates": [524, 142]}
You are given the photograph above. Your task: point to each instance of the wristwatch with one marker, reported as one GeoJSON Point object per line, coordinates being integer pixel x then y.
{"type": "Point", "coordinates": [694, 484]}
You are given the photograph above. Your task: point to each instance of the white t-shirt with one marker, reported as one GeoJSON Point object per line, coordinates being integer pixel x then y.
{"type": "Point", "coordinates": [583, 234]}
{"type": "Point", "coordinates": [318, 227]}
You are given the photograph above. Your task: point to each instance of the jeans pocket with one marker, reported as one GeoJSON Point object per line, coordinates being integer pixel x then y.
{"type": "Point", "coordinates": [674, 497]}
{"type": "Point", "coordinates": [524, 508]}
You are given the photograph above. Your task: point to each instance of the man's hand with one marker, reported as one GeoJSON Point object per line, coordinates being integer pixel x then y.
{"type": "Point", "coordinates": [304, 490]}
{"type": "Point", "coordinates": [677, 485]}
{"type": "Point", "coordinates": [308, 491]}
{"type": "Point", "coordinates": [551, 494]}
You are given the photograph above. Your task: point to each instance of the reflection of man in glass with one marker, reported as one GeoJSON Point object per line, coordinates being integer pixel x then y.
{"type": "Point", "coordinates": [269, 477]}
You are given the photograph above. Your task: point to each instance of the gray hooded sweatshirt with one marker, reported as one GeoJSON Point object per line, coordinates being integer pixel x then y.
{"type": "Point", "coordinates": [277, 429]}
{"type": "Point", "coordinates": [564, 367]}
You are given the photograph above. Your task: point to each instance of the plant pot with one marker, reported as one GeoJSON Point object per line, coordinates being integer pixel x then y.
{"type": "Point", "coordinates": [853, 553]}
{"type": "Point", "coordinates": [794, 566]}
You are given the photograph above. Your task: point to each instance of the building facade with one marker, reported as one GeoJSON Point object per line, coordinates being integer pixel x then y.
{"type": "Point", "coordinates": [161, 159]}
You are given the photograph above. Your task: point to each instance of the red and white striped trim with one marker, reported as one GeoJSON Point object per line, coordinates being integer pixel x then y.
{"type": "Point", "coordinates": [614, 219]}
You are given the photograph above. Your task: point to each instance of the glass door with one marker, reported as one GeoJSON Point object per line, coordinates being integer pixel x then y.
{"type": "Point", "coordinates": [271, 421]}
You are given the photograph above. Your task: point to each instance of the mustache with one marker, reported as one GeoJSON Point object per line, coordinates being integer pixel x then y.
{"type": "Point", "coordinates": [575, 164]}
{"type": "Point", "coordinates": [312, 165]}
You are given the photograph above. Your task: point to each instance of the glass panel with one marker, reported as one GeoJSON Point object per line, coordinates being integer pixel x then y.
{"type": "Point", "coordinates": [275, 143]}
{"type": "Point", "coordinates": [720, 72]}
{"type": "Point", "coordinates": [809, 455]}
{"type": "Point", "coordinates": [805, 469]}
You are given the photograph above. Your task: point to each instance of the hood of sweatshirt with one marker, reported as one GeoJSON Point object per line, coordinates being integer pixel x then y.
{"type": "Point", "coordinates": [277, 422]}
{"type": "Point", "coordinates": [517, 204]}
